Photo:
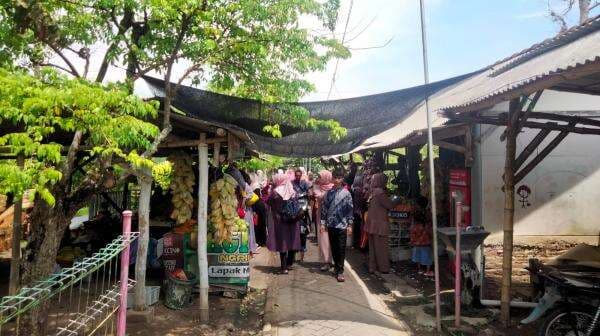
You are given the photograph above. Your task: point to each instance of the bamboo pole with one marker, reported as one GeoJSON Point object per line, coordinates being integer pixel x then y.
{"type": "Point", "coordinates": [13, 283]}
{"type": "Point", "coordinates": [202, 228]}
{"type": "Point", "coordinates": [509, 213]}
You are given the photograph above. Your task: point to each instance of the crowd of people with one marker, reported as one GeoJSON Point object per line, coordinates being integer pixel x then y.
{"type": "Point", "coordinates": [340, 208]}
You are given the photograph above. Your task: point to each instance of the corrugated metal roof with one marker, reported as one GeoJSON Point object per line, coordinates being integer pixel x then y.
{"type": "Point", "coordinates": [537, 49]}
{"type": "Point", "coordinates": [572, 50]}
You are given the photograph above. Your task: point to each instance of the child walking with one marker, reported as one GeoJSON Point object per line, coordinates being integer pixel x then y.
{"type": "Point", "coordinates": [420, 239]}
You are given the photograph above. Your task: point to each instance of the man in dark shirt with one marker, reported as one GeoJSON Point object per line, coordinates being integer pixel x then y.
{"type": "Point", "coordinates": [337, 216]}
{"type": "Point", "coordinates": [300, 186]}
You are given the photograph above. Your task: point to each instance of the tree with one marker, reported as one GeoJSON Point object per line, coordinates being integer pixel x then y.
{"type": "Point", "coordinates": [39, 117]}
{"type": "Point", "coordinates": [251, 48]}
{"type": "Point", "coordinates": [559, 16]}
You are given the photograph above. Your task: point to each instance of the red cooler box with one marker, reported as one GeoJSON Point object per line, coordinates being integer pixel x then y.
{"type": "Point", "coordinates": [460, 188]}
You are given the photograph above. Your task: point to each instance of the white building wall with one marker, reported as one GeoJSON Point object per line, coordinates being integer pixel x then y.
{"type": "Point", "coordinates": [565, 187]}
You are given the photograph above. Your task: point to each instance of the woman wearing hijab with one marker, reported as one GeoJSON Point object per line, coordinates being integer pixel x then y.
{"type": "Point", "coordinates": [377, 225]}
{"type": "Point", "coordinates": [322, 185]}
{"type": "Point", "coordinates": [283, 236]}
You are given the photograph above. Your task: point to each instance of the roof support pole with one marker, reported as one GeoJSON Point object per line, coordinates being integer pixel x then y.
{"type": "Point", "coordinates": [216, 154]}
{"type": "Point", "coordinates": [203, 226]}
{"type": "Point", "coordinates": [468, 146]}
{"type": "Point", "coordinates": [531, 147]}
{"type": "Point", "coordinates": [547, 150]}
{"type": "Point", "coordinates": [509, 210]}
{"type": "Point", "coordinates": [413, 158]}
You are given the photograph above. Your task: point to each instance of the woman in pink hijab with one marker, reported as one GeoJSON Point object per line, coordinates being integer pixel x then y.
{"type": "Point", "coordinates": [284, 236]}
{"type": "Point", "coordinates": [322, 185]}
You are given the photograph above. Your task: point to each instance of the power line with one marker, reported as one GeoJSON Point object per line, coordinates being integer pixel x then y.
{"type": "Point", "coordinates": [337, 61]}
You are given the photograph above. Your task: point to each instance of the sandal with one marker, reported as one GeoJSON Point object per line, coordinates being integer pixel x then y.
{"type": "Point", "coordinates": [324, 268]}
{"type": "Point", "coordinates": [340, 278]}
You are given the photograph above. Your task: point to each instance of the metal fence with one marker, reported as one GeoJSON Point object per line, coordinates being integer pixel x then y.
{"type": "Point", "coordinates": [116, 196]}
{"type": "Point", "coordinates": [78, 300]}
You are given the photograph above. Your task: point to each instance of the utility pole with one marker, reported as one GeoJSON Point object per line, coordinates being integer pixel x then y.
{"type": "Point", "coordinates": [431, 170]}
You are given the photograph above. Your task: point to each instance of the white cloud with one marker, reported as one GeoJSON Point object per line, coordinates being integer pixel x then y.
{"type": "Point", "coordinates": [532, 15]}
{"type": "Point", "coordinates": [372, 70]}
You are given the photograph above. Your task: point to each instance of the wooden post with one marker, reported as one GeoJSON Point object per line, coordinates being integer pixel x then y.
{"type": "Point", "coordinates": [216, 154]}
{"type": "Point", "coordinates": [413, 155]}
{"type": "Point", "coordinates": [125, 202]}
{"type": "Point", "coordinates": [202, 228]}
{"type": "Point", "coordinates": [13, 283]}
{"type": "Point", "coordinates": [233, 147]}
{"type": "Point", "coordinates": [509, 210]}
{"type": "Point", "coordinates": [468, 146]}
{"type": "Point", "coordinates": [145, 182]}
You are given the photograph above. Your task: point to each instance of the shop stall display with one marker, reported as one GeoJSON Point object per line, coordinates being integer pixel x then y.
{"type": "Point", "coordinates": [400, 218]}
{"type": "Point", "coordinates": [224, 219]}
{"type": "Point", "coordinates": [182, 185]}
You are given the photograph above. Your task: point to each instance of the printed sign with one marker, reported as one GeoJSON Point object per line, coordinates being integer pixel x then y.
{"type": "Point", "coordinates": [399, 214]}
{"type": "Point", "coordinates": [229, 262]}
{"type": "Point", "coordinates": [172, 251]}
{"type": "Point", "coordinates": [229, 271]}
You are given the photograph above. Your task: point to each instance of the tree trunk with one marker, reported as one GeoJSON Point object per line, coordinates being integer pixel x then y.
{"type": "Point", "coordinates": [47, 226]}
{"type": "Point", "coordinates": [584, 10]}
{"type": "Point", "coordinates": [142, 249]}
{"type": "Point", "coordinates": [13, 283]}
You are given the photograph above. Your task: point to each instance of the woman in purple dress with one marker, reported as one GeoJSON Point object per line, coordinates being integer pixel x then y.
{"type": "Point", "coordinates": [284, 236]}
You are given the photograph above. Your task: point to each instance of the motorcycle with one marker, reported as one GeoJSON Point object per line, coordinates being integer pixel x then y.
{"type": "Point", "coordinates": [304, 208]}
{"type": "Point", "coordinates": [569, 300]}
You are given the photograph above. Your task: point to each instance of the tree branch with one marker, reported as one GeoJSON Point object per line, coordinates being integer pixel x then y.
{"type": "Point", "coordinates": [123, 27]}
{"type": "Point", "coordinates": [72, 155]}
{"type": "Point", "coordinates": [162, 136]}
{"type": "Point", "coordinates": [58, 67]}
{"type": "Point", "coordinates": [185, 21]}
{"type": "Point", "coordinates": [73, 71]}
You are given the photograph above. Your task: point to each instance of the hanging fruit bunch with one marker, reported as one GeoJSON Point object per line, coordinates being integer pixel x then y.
{"type": "Point", "coordinates": [182, 185]}
{"type": "Point", "coordinates": [224, 219]}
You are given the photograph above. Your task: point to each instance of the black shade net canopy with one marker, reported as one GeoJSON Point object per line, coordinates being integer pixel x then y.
{"type": "Point", "coordinates": [363, 117]}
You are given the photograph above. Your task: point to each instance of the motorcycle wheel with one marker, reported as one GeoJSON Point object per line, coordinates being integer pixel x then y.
{"type": "Point", "coordinates": [561, 323]}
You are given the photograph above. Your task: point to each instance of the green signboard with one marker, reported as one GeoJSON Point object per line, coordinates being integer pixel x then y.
{"type": "Point", "coordinates": [229, 262]}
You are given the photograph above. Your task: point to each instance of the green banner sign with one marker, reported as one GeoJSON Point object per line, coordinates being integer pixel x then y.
{"type": "Point", "coordinates": [229, 262]}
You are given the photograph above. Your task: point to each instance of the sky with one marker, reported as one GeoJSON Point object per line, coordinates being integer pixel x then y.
{"type": "Point", "coordinates": [463, 36]}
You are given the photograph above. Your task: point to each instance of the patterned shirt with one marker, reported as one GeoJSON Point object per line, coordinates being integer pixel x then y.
{"type": "Point", "coordinates": [337, 210]}
{"type": "Point", "coordinates": [300, 187]}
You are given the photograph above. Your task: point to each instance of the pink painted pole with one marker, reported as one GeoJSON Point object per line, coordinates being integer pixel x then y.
{"type": "Point", "coordinates": [457, 261]}
{"type": "Point", "coordinates": [122, 317]}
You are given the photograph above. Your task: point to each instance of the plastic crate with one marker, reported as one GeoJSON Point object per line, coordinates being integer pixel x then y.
{"type": "Point", "coordinates": [152, 295]}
